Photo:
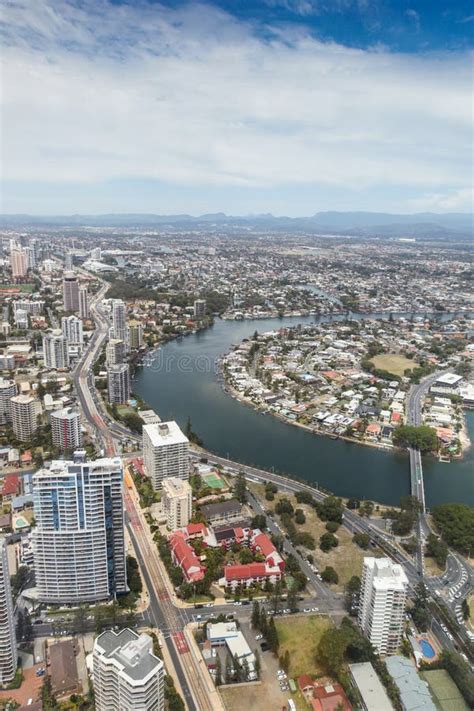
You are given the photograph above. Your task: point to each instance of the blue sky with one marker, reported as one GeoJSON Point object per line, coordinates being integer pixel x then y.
{"type": "Point", "coordinates": [288, 106]}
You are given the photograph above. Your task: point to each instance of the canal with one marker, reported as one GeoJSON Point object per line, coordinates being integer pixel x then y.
{"type": "Point", "coordinates": [182, 381]}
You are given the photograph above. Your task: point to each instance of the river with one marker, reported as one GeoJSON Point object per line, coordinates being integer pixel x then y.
{"type": "Point", "coordinates": [183, 381]}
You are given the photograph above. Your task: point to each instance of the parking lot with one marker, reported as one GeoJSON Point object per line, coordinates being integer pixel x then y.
{"type": "Point", "coordinates": [266, 696]}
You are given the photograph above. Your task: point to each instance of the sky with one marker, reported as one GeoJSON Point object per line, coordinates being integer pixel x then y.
{"type": "Point", "coordinates": [238, 106]}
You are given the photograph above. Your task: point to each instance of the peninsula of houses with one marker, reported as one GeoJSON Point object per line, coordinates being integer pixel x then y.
{"type": "Point", "coordinates": [352, 379]}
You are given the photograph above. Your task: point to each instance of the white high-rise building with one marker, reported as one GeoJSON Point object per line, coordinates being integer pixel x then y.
{"type": "Point", "coordinates": [25, 411]}
{"type": "Point", "coordinates": [165, 452]}
{"type": "Point", "coordinates": [119, 321]}
{"type": "Point", "coordinates": [8, 389]}
{"type": "Point", "coordinates": [66, 429]}
{"type": "Point", "coordinates": [71, 327]}
{"type": "Point", "coordinates": [118, 383]}
{"type": "Point", "coordinates": [127, 675]}
{"type": "Point", "coordinates": [83, 302]}
{"type": "Point", "coordinates": [114, 352]}
{"type": "Point", "coordinates": [18, 262]}
{"type": "Point", "coordinates": [33, 308]}
{"type": "Point", "coordinates": [8, 652]}
{"type": "Point", "coordinates": [177, 502]}
{"type": "Point", "coordinates": [68, 261]}
{"type": "Point", "coordinates": [382, 603]}
{"type": "Point", "coordinates": [55, 350]}
{"type": "Point", "coordinates": [70, 292]}
{"type": "Point", "coordinates": [78, 540]}
{"type": "Point", "coordinates": [199, 308]}
{"type": "Point", "coordinates": [31, 257]}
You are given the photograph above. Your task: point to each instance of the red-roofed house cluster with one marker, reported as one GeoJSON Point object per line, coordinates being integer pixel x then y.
{"type": "Point", "coordinates": [244, 575]}
{"type": "Point", "coordinates": [323, 697]}
{"type": "Point", "coordinates": [184, 556]}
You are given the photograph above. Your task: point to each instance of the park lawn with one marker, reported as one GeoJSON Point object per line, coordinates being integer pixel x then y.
{"type": "Point", "coordinates": [446, 694]}
{"type": "Point", "coordinates": [392, 363]}
{"type": "Point", "coordinates": [346, 559]}
{"type": "Point", "coordinates": [471, 608]}
{"type": "Point", "coordinates": [300, 636]}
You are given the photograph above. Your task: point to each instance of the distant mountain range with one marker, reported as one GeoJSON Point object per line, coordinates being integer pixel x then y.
{"type": "Point", "coordinates": [369, 224]}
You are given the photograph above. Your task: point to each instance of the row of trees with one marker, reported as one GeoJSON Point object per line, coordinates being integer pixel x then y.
{"type": "Point", "coordinates": [456, 524]}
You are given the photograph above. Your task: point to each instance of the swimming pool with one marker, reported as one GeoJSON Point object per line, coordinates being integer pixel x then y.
{"type": "Point", "coordinates": [427, 649]}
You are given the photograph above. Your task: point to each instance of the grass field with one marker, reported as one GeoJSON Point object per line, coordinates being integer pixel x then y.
{"type": "Point", "coordinates": [445, 692]}
{"type": "Point", "coordinates": [300, 636]}
{"type": "Point", "coordinates": [392, 363]}
{"type": "Point", "coordinates": [25, 288]}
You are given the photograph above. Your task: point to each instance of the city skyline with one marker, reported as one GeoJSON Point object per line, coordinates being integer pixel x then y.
{"type": "Point", "coordinates": [288, 107]}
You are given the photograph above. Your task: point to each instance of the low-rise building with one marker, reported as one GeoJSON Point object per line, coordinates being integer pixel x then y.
{"type": "Point", "coordinates": [370, 688]}
{"type": "Point", "coordinates": [223, 512]}
{"type": "Point", "coordinates": [184, 556]}
{"type": "Point", "coordinates": [63, 668]}
{"type": "Point", "coordinates": [414, 692]}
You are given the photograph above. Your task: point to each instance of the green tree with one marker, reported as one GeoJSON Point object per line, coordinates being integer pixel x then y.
{"type": "Point", "coordinates": [255, 619]}
{"type": "Point", "coordinates": [366, 508]}
{"type": "Point", "coordinates": [218, 671]}
{"type": "Point", "coordinates": [329, 575]}
{"type": "Point", "coordinates": [272, 636]}
{"type": "Point", "coordinates": [258, 664]}
{"type": "Point", "coordinates": [438, 549]}
{"type": "Point", "coordinates": [456, 523]}
{"type": "Point", "coordinates": [328, 541]}
{"type": "Point", "coordinates": [351, 594]}
{"type": "Point", "coordinates": [362, 540]}
{"type": "Point", "coordinates": [241, 488]}
{"type": "Point", "coordinates": [331, 509]}
{"type": "Point", "coordinates": [300, 518]}
{"type": "Point", "coordinates": [421, 437]}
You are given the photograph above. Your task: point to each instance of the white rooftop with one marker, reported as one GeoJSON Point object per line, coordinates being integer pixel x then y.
{"type": "Point", "coordinates": [449, 379]}
{"type": "Point", "coordinates": [165, 433]}
{"type": "Point", "coordinates": [387, 575]}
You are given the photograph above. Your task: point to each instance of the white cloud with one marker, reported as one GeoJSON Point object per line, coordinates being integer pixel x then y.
{"type": "Point", "coordinates": [455, 201]}
{"type": "Point", "coordinates": [192, 96]}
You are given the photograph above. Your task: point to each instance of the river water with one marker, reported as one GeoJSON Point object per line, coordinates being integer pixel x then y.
{"type": "Point", "coordinates": [183, 381]}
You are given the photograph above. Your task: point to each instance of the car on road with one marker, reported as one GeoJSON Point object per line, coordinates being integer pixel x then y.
{"type": "Point", "coordinates": [264, 646]}
{"type": "Point", "coordinates": [315, 609]}
{"type": "Point", "coordinates": [258, 637]}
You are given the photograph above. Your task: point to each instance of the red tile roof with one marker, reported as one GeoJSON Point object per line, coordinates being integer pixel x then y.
{"type": "Point", "coordinates": [244, 572]}
{"type": "Point", "coordinates": [186, 558]}
{"type": "Point", "coordinates": [264, 544]}
{"type": "Point", "coordinates": [194, 528]}
{"type": "Point", "coordinates": [11, 485]}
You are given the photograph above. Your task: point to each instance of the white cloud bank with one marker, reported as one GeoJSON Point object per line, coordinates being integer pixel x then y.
{"type": "Point", "coordinates": [94, 91]}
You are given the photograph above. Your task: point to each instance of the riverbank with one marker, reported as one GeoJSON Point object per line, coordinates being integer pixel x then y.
{"type": "Point", "coordinates": [236, 431]}
{"type": "Point", "coordinates": [313, 430]}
